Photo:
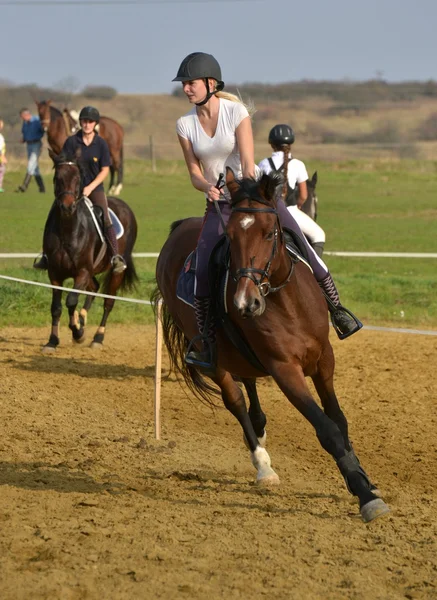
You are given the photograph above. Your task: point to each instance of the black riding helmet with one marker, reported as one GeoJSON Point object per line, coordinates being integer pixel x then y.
{"type": "Point", "coordinates": [199, 65]}
{"type": "Point", "coordinates": [281, 135]}
{"type": "Point", "coordinates": [90, 113]}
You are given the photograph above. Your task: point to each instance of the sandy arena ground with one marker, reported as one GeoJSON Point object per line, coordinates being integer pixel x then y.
{"type": "Point", "coordinates": [92, 507]}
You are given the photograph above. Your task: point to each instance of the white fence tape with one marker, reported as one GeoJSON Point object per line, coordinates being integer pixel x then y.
{"type": "Point", "coordinates": [328, 253]}
{"type": "Point", "coordinates": [148, 303]}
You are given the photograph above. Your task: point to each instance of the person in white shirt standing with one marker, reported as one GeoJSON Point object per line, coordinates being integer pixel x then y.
{"type": "Point", "coordinates": [3, 159]}
{"type": "Point", "coordinates": [281, 138]}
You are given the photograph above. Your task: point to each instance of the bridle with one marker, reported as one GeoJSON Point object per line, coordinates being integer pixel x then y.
{"type": "Point", "coordinates": [251, 273]}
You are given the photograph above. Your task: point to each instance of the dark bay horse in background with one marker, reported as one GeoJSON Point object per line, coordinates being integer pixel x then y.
{"type": "Point", "coordinates": [59, 125]}
{"type": "Point", "coordinates": [74, 249]}
{"type": "Point", "coordinates": [280, 310]}
{"type": "Point", "coordinates": [310, 206]}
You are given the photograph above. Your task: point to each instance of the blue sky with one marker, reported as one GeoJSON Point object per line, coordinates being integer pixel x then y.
{"type": "Point", "coordinates": [138, 48]}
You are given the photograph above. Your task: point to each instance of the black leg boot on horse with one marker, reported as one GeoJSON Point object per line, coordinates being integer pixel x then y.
{"type": "Point", "coordinates": [117, 261]}
{"type": "Point", "coordinates": [204, 359]}
{"type": "Point", "coordinates": [343, 320]}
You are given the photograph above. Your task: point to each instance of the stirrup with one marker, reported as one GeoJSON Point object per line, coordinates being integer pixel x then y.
{"type": "Point", "coordinates": [344, 322]}
{"type": "Point", "coordinates": [201, 359]}
{"type": "Point", "coordinates": [41, 262]}
{"type": "Point", "coordinates": [118, 263]}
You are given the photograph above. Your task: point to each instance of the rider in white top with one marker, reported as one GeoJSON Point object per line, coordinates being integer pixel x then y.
{"type": "Point", "coordinates": [297, 176]}
{"type": "Point", "coordinates": [215, 134]}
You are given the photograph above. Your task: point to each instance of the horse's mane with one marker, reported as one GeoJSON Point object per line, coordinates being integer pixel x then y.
{"type": "Point", "coordinates": [249, 188]}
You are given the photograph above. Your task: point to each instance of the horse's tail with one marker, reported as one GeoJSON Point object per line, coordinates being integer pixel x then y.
{"type": "Point", "coordinates": [177, 345]}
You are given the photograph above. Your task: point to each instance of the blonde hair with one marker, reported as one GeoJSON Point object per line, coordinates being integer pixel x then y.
{"type": "Point", "coordinates": [233, 98]}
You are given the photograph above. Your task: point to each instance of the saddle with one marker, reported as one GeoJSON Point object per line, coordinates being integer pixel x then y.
{"type": "Point", "coordinates": [218, 276]}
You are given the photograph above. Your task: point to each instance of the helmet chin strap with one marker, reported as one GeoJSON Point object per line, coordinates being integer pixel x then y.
{"type": "Point", "coordinates": [209, 94]}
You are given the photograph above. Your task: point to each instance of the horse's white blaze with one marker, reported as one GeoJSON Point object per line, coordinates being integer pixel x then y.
{"type": "Point", "coordinates": [246, 222]}
{"type": "Point", "coordinates": [240, 298]}
{"type": "Point", "coordinates": [261, 461]}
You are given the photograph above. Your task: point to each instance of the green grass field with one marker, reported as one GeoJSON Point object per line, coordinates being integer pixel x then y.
{"type": "Point", "coordinates": [381, 207]}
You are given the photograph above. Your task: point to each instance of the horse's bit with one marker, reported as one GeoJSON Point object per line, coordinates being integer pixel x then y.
{"type": "Point", "coordinates": [264, 287]}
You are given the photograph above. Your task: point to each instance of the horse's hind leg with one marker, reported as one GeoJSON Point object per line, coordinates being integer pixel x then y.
{"type": "Point", "coordinates": [256, 414]}
{"type": "Point", "coordinates": [76, 324]}
{"type": "Point", "coordinates": [56, 310]}
{"type": "Point", "coordinates": [234, 401]}
{"type": "Point", "coordinates": [83, 314]}
{"type": "Point", "coordinates": [108, 305]}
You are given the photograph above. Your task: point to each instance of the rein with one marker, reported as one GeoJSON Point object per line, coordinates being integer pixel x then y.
{"type": "Point", "coordinates": [264, 287]}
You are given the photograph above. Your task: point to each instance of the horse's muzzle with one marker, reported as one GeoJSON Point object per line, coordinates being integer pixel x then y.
{"type": "Point", "coordinates": [249, 304]}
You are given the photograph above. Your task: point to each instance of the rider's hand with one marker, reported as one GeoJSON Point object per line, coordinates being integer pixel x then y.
{"type": "Point", "coordinates": [87, 190]}
{"type": "Point", "coordinates": [213, 193]}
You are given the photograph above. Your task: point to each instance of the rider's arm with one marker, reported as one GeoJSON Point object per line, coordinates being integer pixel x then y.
{"type": "Point", "coordinates": [244, 137]}
{"type": "Point", "coordinates": [196, 175]}
{"type": "Point", "coordinates": [302, 195]}
{"type": "Point", "coordinates": [97, 181]}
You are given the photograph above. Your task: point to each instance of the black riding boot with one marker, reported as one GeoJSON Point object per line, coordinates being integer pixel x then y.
{"type": "Point", "coordinates": [40, 183]}
{"type": "Point", "coordinates": [345, 323]}
{"type": "Point", "coordinates": [205, 359]}
{"type": "Point", "coordinates": [318, 248]}
{"type": "Point", "coordinates": [23, 187]}
{"type": "Point", "coordinates": [117, 261]}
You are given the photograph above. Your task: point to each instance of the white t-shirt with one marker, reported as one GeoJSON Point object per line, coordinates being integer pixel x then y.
{"type": "Point", "coordinates": [2, 144]}
{"type": "Point", "coordinates": [215, 153]}
{"type": "Point", "coordinates": [297, 172]}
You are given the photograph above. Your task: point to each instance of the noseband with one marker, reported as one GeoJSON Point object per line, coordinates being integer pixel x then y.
{"type": "Point", "coordinates": [264, 287]}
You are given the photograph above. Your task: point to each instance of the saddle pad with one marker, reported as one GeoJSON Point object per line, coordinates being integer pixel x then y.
{"type": "Point", "coordinates": [116, 223]}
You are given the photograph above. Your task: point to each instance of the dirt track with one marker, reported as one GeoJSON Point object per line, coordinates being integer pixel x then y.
{"type": "Point", "coordinates": [92, 507]}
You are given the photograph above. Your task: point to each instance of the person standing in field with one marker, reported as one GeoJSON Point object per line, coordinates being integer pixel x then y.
{"type": "Point", "coordinates": [214, 134]}
{"type": "Point", "coordinates": [3, 159]}
{"type": "Point", "coordinates": [294, 191]}
{"type": "Point", "coordinates": [32, 133]}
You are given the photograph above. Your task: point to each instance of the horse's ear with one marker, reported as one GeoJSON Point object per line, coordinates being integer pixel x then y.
{"type": "Point", "coordinates": [231, 184]}
{"type": "Point", "coordinates": [48, 101]}
{"type": "Point", "coordinates": [314, 178]}
{"type": "Point", "coordinates": [268, 185]}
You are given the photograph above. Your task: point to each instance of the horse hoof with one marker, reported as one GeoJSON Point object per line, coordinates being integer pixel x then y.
{"type": "Point", "coordinates": [374, 509]}
{"type": "Point", "coordinates": [96, 346]}
{"type": "Point", "coordinates": [261, 440]}
{"type": "Point", "coordinates": [48, 349]}
{"type": "Point", "coordinates": [268, 480]}
{"type": "Point", "coordinates": [79, 340]}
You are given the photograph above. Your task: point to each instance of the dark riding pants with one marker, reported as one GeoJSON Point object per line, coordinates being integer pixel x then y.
{"type": "Point", "coordinates": [98, 197]}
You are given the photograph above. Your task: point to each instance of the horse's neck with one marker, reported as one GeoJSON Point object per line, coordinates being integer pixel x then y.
{"type": "Point", "coordinates": [56, 133]}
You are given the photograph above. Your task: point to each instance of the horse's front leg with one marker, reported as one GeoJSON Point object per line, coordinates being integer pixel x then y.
{"type": "Point", "coordinates": [108, 305]}
{"type": "Point", "coordinates": [256, 414]}
{"type": "Point", "coordinates": [77, 325]}
{"type": "Point", "coordinates": [233, 400]}
{"type": "Point", "coordinates": [291, 380]}
{"type": "Point", "coordinates": [56, 310]}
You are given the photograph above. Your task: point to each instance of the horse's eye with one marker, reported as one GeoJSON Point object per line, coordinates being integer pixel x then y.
{"type": "Point", "coordinates": [269, 236]}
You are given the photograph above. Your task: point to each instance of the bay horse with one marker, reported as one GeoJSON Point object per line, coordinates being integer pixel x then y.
{"type": "Point", "coordinates": [60, 125]}
{"type": "Point", "coordinates": [310, 206]}
{"type": "Point", "coordinates": [279, 308]}
{"type": "Point", "coordinates": [74, 250]}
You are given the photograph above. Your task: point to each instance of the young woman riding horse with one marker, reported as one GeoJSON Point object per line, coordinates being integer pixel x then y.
{"type": "Point", "coordinates": [295, 190]}
{"type": "Point", "coordinates": [278, 307]}
{"type": "Point", "coordinates": [215, 133]}
{"type": "Point", "coordinates": [95, 161]}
